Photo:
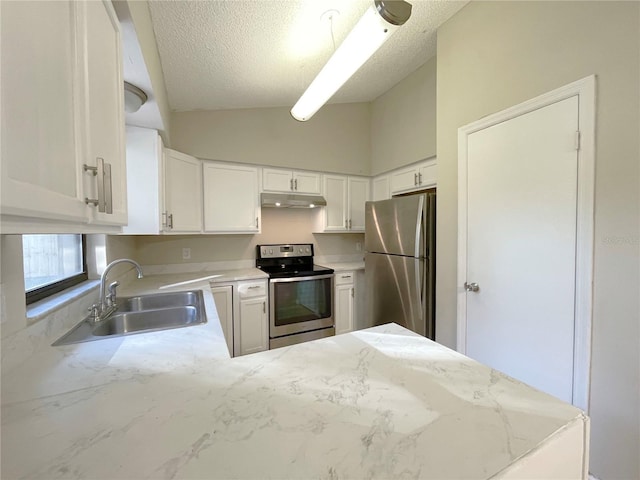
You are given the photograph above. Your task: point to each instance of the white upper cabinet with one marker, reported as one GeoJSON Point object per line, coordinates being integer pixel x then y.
{"type": "Point", "coordinates": [182, 193]}
{"type": "Point", "coordinates": [287, 181]}
{"type": "Point", "coordinates": [346, 197]}
{"type": "Point", "coordinates": [380, 190]}
{"type": "Point", "coordinates": [231, 198]}
{"type": "Point", "coordinates": [415, 177]}
{"type": "Point", "coordinates": [145, 189]}
{"type": "Point", "coordinates": [104, 106]}
{"type": "Point", "coordinates": [61, 108]}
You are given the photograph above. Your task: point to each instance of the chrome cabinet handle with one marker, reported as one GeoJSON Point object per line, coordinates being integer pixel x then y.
{"type": "Point", "coordinates": [352, 294]}
{"type": "Point", "coordinates": [257, 223]}
{"type": "Point", "coordinates": [419, 178]}
{"type": "Point", "coordinates": [170, 221]}
{"type": "Point", "coordinates": [107, 189]}
{"type": "Point", "coordinates": [471, 287]}
{"type": "Point", "coordinates": [264, 307]}
{"type": "Point", "coordinates": [295, 184]}
{"type": "Point", "coordinates": [102, 172]}
{"type": "Point", "coordinates": [349, 224]}
{"type": "Point", "coordinates": [291, 184]}
{"type": "Point", "coordinates": [346, 276]}
{"type": "Point", "coordinates": [253, 287]}
{"type": "Point", "coordinates": [415, 179]}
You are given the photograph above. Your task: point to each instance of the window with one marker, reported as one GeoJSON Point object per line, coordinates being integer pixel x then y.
{"type": "Point", "coordinates": [52, 263]}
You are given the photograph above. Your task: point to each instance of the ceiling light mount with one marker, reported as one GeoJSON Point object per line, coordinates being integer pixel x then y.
{"type": "Point", "coordinates": [377, 24]}
{"type": "Point", "coordinates": [134, 98]}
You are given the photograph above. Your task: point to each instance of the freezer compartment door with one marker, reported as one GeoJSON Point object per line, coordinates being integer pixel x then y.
{"type": "Point", "coordinates": [395, 291]}
{"type": "Point", "coordinates": [395, 226]}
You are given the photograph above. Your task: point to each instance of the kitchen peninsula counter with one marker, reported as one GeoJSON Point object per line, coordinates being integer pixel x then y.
{"type": "Point", "coordinates": [376, 403]}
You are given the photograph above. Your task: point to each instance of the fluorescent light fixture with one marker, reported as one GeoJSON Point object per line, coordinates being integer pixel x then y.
{"type": "Point", "coordinates": [377, 24]}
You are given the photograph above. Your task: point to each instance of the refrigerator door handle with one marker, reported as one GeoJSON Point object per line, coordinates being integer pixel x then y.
{"type": "Point", "coordinates": [420, 229]}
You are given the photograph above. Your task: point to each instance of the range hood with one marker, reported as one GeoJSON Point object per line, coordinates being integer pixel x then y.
{"type": "Point", "coordinates": [291, 200]}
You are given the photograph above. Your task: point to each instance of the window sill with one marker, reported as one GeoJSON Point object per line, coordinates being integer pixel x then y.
{"type": "Point", "coordinates": [38, 310]}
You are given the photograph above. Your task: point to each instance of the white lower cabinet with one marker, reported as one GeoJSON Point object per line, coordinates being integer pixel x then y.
{"type": "Point", "coordinates": [243, 311]}
{"type": "Point", "coordinates": [223, 298]}
{"type": "Point", "coordinates": [344, 302]}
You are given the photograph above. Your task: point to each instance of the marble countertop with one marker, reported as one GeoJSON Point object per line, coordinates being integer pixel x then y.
{"type": "Point", "coordinates": [376, 403]}
{"type": "Point", "coordinates": [344, 266]}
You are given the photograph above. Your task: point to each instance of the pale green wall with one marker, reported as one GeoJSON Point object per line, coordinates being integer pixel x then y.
{"type": "Point", "coordinates": [403, 121]}
{"type": "Point", "coordinates": [336, 139]}
{"type": "Point", "coordinates": [492, 55]}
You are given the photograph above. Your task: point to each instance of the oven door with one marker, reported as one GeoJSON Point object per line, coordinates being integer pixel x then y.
{"type": "Point", "coordinates": [300, 304]}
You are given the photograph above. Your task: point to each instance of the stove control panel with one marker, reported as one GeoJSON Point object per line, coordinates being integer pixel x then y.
{"type": "Point", "coordinates": [285, 250]}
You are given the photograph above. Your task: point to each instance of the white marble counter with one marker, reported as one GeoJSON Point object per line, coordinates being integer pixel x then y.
{"type": "Point", "coordinates": [344, 266]}
{"type": "Point", "coordinates": [377, 403]}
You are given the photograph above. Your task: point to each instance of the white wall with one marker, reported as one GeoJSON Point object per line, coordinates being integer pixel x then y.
{"type": "Point", "coordinates": [336, 139]}
{"type": "Point", "coordinates": [278, 226]}
{"type": "Point", "coordinates": [403, 121]}
{"type": "Point", "coordinates": [492, 55]}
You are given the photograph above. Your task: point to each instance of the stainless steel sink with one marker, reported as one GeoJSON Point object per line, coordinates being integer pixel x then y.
{"type": "Point", "coordinates": [159, 300]}
{"type": "Point", "coordinates": [140, 314]}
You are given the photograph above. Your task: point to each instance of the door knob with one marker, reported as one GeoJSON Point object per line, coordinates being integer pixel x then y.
{"type": "Point", "coordinates": [471, 287]}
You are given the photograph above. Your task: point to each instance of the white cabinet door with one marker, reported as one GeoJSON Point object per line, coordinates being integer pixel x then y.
{"type": "Point", "coordinates": [306, 182]}
{"type": "Point", "coordinates": [275, 180]}
{"type": "Point", "coordinates": [231, 198]}
{"type": "Point", "coordinates": [381, 188]}
{"type": "Point", "coordinates": [223, 298]}
{"type": "Point", "coordinates": [183, 192]}
{"type": "Point", "coordinates": [428, 174]}
{"type": "Point", "coordinates": [358, 194]}
{"type": "Point", "coordinates": [105, 110]}
{"type": "Point", "coordinates": [41, 168]}
{"type": "Point", "coordinates": [287, 181]}
{"type": "Point", "coordinates": [404, 180]}
{"type": "Point", "coordinates": [144, 182]}
{"type": "Point", "coordinates": [335, 213]}
{"type": "Point", "coordinates": [344, 302]}
{"type": "Point", "coordinates": [254, 327]}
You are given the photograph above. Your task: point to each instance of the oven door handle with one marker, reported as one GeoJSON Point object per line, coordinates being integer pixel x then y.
{"type": "Point", "coordinates": [300, 279]}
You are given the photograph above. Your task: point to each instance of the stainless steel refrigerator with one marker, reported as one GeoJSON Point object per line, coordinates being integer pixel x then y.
{"type": "Point", "coordinates": [400, 262]}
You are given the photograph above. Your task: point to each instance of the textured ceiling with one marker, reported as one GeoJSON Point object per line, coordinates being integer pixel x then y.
{"type": "Point", "coordinates": [225, 54]}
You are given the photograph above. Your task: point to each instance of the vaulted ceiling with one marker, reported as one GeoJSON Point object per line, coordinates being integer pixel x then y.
{"type": "Point", "coordinates": [226, 54]}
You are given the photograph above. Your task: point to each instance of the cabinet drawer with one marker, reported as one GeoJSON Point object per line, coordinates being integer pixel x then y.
{"type": "Point", "coordinates": [344, 278]}
{"type": "Point", "coordinates": [252, 289]}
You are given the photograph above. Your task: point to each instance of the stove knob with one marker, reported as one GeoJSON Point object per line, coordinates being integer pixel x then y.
{"type": "Point", "coordinates": [264, 252]}
{"type": "Point", "coordinates": [308, 250]}
{"type": "Point", "coordinates": [270, 251]}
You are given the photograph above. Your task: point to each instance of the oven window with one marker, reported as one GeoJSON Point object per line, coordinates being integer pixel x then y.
{"type": "Point", "coordinates": [302, 301]}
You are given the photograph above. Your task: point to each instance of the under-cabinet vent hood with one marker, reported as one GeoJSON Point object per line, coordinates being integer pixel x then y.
{"type": "Point", "coordinates": [291, 200]}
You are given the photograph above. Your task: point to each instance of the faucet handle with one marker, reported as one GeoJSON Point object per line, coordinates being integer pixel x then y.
{"type": "Point", "coordinates": [111, 297]}
{"type": "Point", "coordinates": [94, 311]}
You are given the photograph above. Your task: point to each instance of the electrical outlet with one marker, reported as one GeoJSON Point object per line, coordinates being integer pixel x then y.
{"type": "Point", "coordinates": [186, 253]}
{"type": "Point", "coordinates": [358, 247]}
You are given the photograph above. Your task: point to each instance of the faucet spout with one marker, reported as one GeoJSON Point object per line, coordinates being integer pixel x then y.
{"type": "Point", "coordinates": [103, 305]}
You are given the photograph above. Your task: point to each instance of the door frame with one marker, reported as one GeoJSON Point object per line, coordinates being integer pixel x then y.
{"type": "Point", "coordinates": [585, 89]}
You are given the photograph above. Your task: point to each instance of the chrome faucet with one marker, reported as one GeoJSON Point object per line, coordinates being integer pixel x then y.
{"type": "Point", "coordinates": [107, 303]}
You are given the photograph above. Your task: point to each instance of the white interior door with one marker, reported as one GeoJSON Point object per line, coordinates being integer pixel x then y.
{"type": "Point", "coordinates": [522, 187]}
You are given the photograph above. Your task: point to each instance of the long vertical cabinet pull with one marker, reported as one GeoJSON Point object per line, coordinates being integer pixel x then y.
{"type": "Point", "coordinates": [102, 172]}
{"type": "Point", "coordinates": [257, 224]}
{"type": "Point", "coordinates": [291, 184]}
{"type": "Point", "coordinates": [108, 193]}
{"type": "Point", "coordinates": [264, 307]}
{"type": "Point", "coordinates": [295, 184]}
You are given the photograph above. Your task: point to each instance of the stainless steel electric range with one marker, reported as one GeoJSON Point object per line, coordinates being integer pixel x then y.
{"type": "Point", "coordinates": [300, 294]}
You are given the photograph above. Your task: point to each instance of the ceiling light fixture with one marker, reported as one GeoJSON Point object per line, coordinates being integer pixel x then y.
{"type": "Point", "coordinates": [377, 24]}
{"type": "Point", "coordinates": [134, 98]}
